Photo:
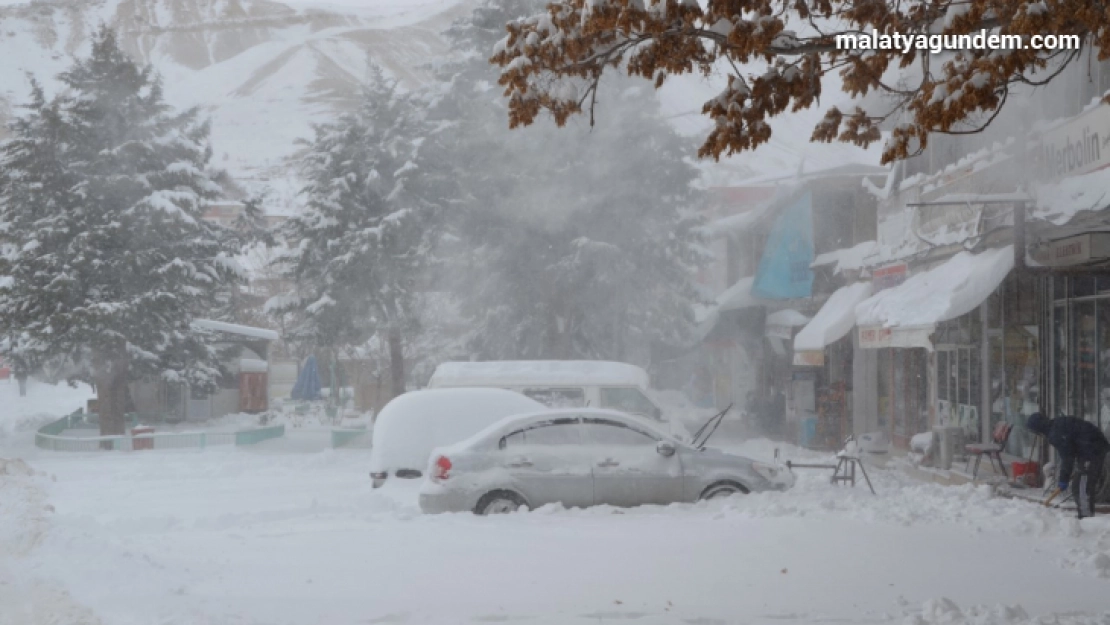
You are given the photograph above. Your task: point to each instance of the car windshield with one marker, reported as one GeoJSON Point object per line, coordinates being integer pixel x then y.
{"type": "Point", "coordinates": [554, 312]}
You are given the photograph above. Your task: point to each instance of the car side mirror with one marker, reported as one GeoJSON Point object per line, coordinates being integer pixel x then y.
{"type": "Point", "coordinates": [665, 448]}
{"type": "Point", "coordinates": [657, 413]}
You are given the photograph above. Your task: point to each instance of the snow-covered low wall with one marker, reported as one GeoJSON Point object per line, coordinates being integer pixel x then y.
{"type": "Point", "coordinates": [350, 437]}
{"type": "Point", "coordinates": [50, 437]}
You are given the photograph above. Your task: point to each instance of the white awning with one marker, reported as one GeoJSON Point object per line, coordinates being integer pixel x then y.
{"type": "Point", "coordinates": [944, 292]}
{"type": "Point", "coordinates": [787, 318]}
{"type": "Point", "coordinates": [834, 320]}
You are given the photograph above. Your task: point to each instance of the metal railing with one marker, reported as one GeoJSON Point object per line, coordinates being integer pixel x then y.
{"type": "Point", "coordinates": [50, 437]}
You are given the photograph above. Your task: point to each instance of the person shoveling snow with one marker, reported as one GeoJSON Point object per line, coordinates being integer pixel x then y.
{"type": "Point", "coordinates": [1076, 442]}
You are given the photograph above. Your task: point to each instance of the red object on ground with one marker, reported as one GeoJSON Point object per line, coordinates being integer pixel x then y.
{"type": "Point", "coordinates": [1027, 472]}
{"type": "Point", "coordinates": [142, 443]}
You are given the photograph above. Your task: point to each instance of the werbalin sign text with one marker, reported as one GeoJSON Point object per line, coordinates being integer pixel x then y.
{"type": "Point", "coordinates": [1060, 160]}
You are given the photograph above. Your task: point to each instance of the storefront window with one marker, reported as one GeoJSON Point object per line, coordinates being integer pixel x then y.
{"type": "Point", "coordinates": [883, 388]}
{"type": "Point", "coordinates": [942, 375]}
{"type": "Point", "coordinates": [963, 376]}
{"type": "Point", "coordinates": [1059, 287]}
{"type": "Point", "coordinates": [1104, 363]}
{"type": "Point", "coordinates": [1060, 358]}
{"type": "Point", "coordinates": [1086, 390]}
{"type": "Point", "coordinates": [906, 393]}
{"type": "Point", "coordinates": [1082, 286]}
{"type": "Point", "coordinates": [994, 309]}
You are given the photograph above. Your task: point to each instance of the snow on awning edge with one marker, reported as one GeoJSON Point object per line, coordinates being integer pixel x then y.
{"type": "Point", "coordinates": [835, 319]}
{"type": "Point", "coordinates": [949, 290]}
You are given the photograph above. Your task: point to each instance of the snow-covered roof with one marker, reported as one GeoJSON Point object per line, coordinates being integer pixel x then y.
{"type": "Point", "coordinates": [847, 259]}
{"type": "Point", "coordinates": [1061, 201]}
{"type": "Point", "coordinates": [944, 292]}
{"type": "Point", "coordinates": [739, 223]}
{"type": "Point", "coordinates": [787, 317]}
{"type": "Point", "coordinates": [739, 296]}
{"type": "Point", "coordinates": [234, 328]}
{"type": "Point", "coordinates": [253, 365]}
{"type": "Point", "coordinates": [835, 319]}
{"type": "Point", "coordinates": [538, 372]}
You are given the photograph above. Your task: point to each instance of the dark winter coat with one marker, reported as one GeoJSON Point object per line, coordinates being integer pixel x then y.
{"type": "Point", "coordinates": [1074, 439]}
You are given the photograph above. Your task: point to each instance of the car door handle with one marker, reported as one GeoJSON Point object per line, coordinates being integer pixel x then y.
{"type": "Point", "coordinates": [608, 462]}
{"type": "Point", "coordinates": [519, 463]}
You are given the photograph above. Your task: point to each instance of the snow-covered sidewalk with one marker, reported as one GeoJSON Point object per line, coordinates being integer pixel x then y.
{"type": "Point", "coordinates": [270, 536]}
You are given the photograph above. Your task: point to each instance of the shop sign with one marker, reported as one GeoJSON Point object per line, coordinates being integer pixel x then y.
{"type": "Point", "coordinates": [809, 359]}
{"type": "Point", "coordinates": [1076, 147]}
{"type": "Point", "coordinates": [1075, 250]}
{"type": "Point", "coordinates": [874, 337]}
{"type": "Point", "coordinates": [877, 337]}
{"type": "Point", "coordinates": [888, 277]}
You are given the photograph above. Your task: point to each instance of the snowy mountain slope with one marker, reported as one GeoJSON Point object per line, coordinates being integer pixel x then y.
{"type": "Point", "coordinates": [262, 71]}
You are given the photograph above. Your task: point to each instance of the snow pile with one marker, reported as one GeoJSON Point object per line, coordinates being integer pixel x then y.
{"type": "Point", "coordinates": [44, 403]}
{"type": "Point", "coordinates": [22, 506]}
{"type": "Point", "coordinates": [945, 292]}
{"type": "Point", "coordinates": [944, 611]}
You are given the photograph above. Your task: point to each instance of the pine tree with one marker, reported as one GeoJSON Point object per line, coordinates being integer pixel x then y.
{"type": "Point", "coordinates": [101, 205]}
{"type": "Point", "coordinates": [359, 247]}
{"type": "Point", "coordinates": [572, 243]}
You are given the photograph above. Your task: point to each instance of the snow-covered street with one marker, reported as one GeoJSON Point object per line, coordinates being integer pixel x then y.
{"type": "Point", "coordinates": [289, 533]}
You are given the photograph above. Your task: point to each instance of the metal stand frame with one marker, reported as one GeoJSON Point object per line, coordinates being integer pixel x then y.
{"type": "Point", "coordinates": [846, 471]}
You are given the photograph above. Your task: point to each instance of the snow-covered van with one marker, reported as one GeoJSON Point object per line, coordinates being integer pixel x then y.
{"type": "Point", "coordinates": [558, 383]}
{"type": "Point", "coordinates": [410, 426]}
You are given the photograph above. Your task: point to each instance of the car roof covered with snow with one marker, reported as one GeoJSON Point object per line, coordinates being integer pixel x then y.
{"type": "Point", "coordinates": [411, 425]}
{"type": "Point", "coordinates": [539, 372]}
{"type": "Point", "coordinates": [513, 422]}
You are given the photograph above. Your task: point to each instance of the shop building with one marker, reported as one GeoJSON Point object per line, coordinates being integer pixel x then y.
{"type": "Point", "coordinates": [963, 318]}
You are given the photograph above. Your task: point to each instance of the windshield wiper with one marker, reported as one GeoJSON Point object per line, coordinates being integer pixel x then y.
{"type": "Point", "coordinates": [717, 418]}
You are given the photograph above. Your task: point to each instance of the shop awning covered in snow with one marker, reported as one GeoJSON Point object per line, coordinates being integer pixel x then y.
{"type": "Point", "coordinates": [835, 319]}
{"type": "Point", "coordinates": [787, 318]}
{"type": "Point", "coordinates": [905, 315]}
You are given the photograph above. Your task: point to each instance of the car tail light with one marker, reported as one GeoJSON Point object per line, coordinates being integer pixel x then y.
{"type": "Point", "coordinates": [441, 470]}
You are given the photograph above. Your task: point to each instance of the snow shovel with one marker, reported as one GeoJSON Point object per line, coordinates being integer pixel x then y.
{"type": "Point", "coordinates": [1054, 495]}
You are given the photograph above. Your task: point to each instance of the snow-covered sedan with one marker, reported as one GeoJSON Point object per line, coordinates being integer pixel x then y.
{"type": "Point", "coordinates": [583, 457]}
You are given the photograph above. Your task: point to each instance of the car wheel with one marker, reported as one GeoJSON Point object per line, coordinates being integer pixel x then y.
{"type": "Point", "coordinates": [499, 502]}
{"type": "Point", "coordinates": [723, 489]}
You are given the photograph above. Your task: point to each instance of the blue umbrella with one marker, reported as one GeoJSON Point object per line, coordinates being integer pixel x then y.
{"type": "Point", "coordinates": [308, 382]}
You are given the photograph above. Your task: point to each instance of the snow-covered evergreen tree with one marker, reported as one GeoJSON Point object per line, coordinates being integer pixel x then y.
{"type": "Point", "coordinates": [109, 263]}
{"type": "Point", "coordinates": [359, 247]}
{"type": "Point", "coordinates": [573, 242]}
